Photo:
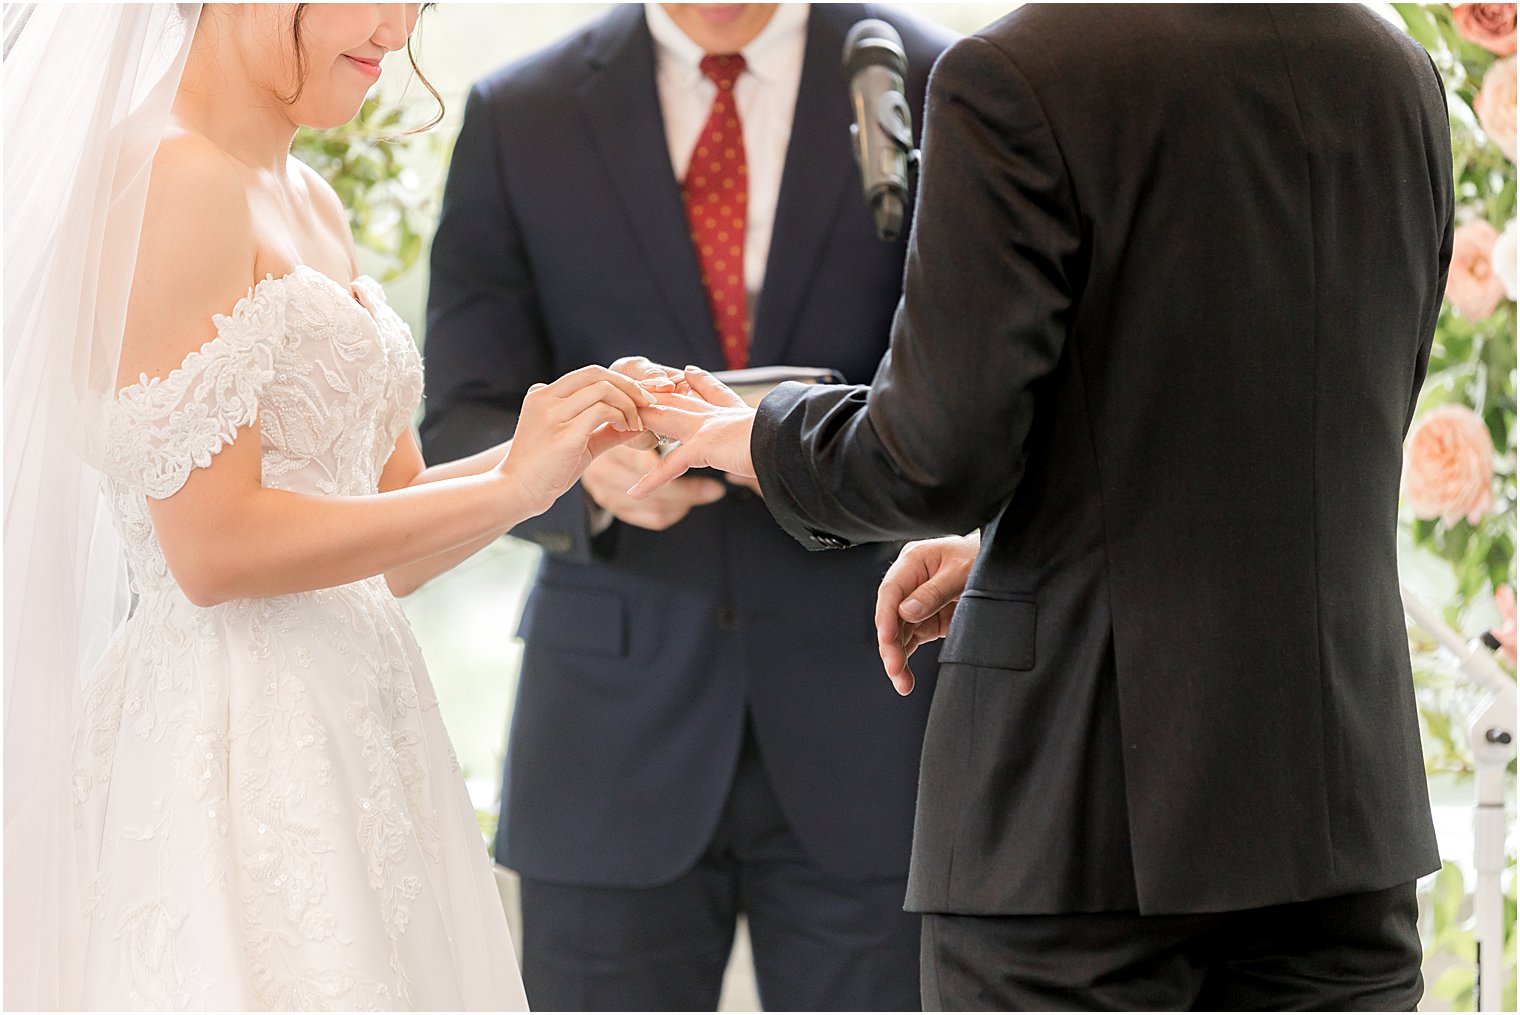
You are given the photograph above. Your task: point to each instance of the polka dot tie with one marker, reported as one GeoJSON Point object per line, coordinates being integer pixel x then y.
{"type": "Point", "coordinates": [716, 190]}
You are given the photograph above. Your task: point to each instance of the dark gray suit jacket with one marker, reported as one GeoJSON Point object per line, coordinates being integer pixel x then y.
{"type": "Point", "coordinates": [1168, 304]}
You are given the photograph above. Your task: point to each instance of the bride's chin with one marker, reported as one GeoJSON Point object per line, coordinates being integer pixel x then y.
{"type": "Point", "coordinates": [337, 117]}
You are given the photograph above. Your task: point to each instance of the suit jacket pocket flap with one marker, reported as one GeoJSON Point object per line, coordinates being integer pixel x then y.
{"type": "Point", "coordinates": [584, 621]}
{"type": "Point", "coordinates": [993, 631]}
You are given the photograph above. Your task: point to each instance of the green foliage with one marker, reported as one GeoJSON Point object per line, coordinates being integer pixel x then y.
{"type": "Point", "coordinates": [368, 161]}
{"type": "Point", "coordinates": [487, 820]}
{"type": "Point", "coordinates": [1472, 363]}
{"type": "Point", "coordinates": [1455, 945]}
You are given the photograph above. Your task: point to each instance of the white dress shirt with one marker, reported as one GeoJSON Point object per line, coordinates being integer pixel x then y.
{"type": "Point", "coordinates": [766, 94]}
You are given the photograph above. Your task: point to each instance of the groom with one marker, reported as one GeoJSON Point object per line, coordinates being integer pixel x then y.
{"type": "Point", "coordinates": [1168, 307]}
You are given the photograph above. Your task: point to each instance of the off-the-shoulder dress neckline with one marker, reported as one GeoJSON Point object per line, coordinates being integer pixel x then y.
{"type": "Point", "coordinates": [255, 291]}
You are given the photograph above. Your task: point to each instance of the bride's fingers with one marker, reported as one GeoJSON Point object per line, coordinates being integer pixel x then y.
{"type": "Point", "coordinates": [711, 389]}
{"type": "Point", "coordinates": [572, 405]}
{"type": "Point", "coordinates": [605, 438]}
{"type": "Point", "coordinates": [588, 376]}
{"type": "Point", "coordinates": [672, 466]}
{"type": "Point", "coordinates": [580, 430]}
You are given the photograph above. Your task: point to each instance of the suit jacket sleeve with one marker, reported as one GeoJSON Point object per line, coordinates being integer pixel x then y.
{"type": "Point", "coordinates": [486, 342]}
{"type": "Point", "coordinates": [1445, 198]}
{"type": "Point", "coordinates": [935, 444]}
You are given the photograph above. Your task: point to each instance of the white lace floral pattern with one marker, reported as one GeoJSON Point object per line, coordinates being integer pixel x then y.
{"type": "Point", "coordinates": [268, 808]}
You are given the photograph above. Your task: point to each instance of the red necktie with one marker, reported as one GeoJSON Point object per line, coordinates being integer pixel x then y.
{"type": "Point", "coordinates": [716, 190]}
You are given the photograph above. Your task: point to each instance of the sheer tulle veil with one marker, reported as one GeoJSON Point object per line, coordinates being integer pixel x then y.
{"type": "Point", "coordinates": [87, 93]}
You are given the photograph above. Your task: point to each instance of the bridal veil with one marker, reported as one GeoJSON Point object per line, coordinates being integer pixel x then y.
{"type": "Point", "coordinates": [87, 93]}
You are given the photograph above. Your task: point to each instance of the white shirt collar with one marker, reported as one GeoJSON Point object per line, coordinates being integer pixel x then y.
{"type": "Point", "coordinates": [767, 56]}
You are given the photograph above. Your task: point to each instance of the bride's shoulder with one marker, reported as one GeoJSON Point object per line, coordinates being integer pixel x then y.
{"type": "Point", "coordinates": [196, 254]}
{"type": "Point", "coordinates": [195, 184]}
{"type": "Point", "coordinates": [322, 199]}
{"type": "Point", "coordinates": [184, 155]}
{"type": "Point", "coordinates": [317, 190]}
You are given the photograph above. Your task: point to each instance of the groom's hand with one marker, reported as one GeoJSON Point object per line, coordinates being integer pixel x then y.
{"type": "Point", "coordinates": [713, 425]}
{"type": "Point", "coordinates": [917, 598]}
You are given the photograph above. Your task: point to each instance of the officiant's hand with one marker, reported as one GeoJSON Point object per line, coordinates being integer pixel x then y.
{"type": "Point", "coordinates": [608, 478]}
{"type": "Point", "coordinates": [713, 425]}
{"type": "Point", "coordinates": [917, 598]}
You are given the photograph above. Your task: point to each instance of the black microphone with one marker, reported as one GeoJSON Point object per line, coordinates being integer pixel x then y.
{"type": "Point", "coordinates": [882, 134]}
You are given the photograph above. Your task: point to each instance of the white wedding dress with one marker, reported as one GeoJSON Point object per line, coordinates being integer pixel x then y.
{"type": "Point", "coordinates": [269, 812]}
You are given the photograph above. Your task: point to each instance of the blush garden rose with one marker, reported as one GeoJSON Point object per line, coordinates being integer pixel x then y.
{"type": "Point", "coordinates": [1449, 466]}
{"type": "Point", "coordinates": [1495, 105]}
{"type": "Point", "coordinates": [1472, 285]}
{"type": "Point", "coordinates": [1504, 259]}
{"type": "Point", "coordinates": [1491, 26]}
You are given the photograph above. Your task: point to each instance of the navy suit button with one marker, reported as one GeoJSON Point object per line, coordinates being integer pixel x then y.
{"type": "Point", "coordinates": [728, 619]}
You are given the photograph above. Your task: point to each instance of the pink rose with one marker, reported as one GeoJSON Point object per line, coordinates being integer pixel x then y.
{"type": "Point", "coordinates": [1472, 285]}
{"type": "Point", "coordinates": [1491, 26]}
{"type": "Point", "coordinates": [1449, 466]}
{"type": "Point", "coordinates": [1495, 105]}
{"type": "Point", "coordinates": [1504, 599]}
{"type": "Point", "coordinates": [1506, 260]}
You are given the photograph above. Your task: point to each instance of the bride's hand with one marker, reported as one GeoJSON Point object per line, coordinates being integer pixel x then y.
{"type": "Point", "coordinates": [713, 425]}
{"type": "Point", "coordinates": [564, 425]}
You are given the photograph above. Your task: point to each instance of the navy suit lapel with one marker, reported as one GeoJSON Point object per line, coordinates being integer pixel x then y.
{"type": "Point", "coordinates": [621, 103]}
{"type": "Point", "coordinates": [814, 180]}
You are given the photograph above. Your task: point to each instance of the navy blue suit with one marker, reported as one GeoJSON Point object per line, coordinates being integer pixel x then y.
{"type": "Point", "coordinates": [657, 661]}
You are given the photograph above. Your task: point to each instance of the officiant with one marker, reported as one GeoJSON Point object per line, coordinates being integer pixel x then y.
{"type": "Point", "coordinates": [701, 729]}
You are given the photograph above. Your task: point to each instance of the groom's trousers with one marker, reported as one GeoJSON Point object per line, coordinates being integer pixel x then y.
{"type": "Point", "coordinates": [820, 943]}
{"type": "Point", "coordinates": [1351, 953]}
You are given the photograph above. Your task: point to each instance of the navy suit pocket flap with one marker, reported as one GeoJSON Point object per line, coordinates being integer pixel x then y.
{"type": "Point", "coordinates": [583, 621]}
{"type": "Point", "coordinates": [992, 630]}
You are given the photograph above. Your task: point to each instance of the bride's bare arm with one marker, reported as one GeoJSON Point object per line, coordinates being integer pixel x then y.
{"type": "Point", "coordinates": [406, 470]}
{"type": "Point", "coordinates": [226, 537]}
{"type": "Point", "coordinates": [223, 534]}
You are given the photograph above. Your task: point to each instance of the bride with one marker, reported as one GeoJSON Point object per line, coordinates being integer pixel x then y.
{"type": "Point", "coordinates": [267, 812]}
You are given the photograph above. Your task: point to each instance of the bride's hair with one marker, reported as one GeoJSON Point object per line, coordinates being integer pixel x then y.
{"type": "Point", "coordinates": [295, 34]}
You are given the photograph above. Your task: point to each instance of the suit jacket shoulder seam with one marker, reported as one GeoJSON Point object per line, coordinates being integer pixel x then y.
{"type": "Point", "coordinates": [1050, 130]}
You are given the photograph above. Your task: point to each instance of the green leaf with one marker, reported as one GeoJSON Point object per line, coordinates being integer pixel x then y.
{"type": "Point", "coordinates": [1419, 23]}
